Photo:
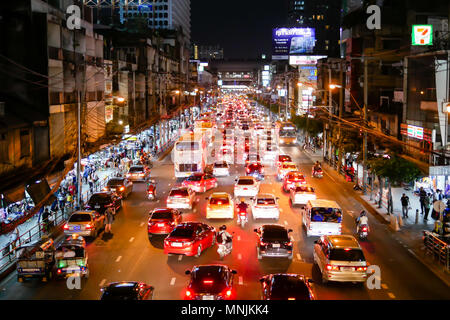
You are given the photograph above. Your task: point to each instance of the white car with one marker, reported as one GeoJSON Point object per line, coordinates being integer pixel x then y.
{"type": "Point", "coordinates": [181, 198]}
{"type": "Point", "coordinates": [220, 205]}
{"type": "Point", "coordinates": [284, 168]}
{"type": "Point", "coordinates": [270, 153]}
{"type": "Point", "coordinates": [246, 187]}
{"type": "Point", "coordinates": [300, 195]}
{"type": "Point", "coordinates": [221, 169]}
{"type": "Point", "coordinates": [265, 206]}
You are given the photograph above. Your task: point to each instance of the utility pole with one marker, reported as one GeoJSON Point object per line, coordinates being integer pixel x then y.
{"type": "Point", "coordinates": [330, 106]}
{"type": "Point", "coordinates": [287, 97]}
{"type": "Point", "coordinates": [366, 101]}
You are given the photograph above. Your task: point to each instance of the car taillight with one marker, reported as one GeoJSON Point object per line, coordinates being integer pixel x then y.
{"type": "Point", "coordinates": [188, 293]}
{"type": "Point", "coordinates": [88, 226]}
{"type": "Point", "coordinates": [66, 227]}
{"type": "Point", "coordinates": [289, 243]}
{"type": "Point", "coordinates": [263, 243]}
{"type": "Point", "coordinates": [364, 229]}
{"type": "Point", "coordinates": [105, 189]}
{"type": "Point", "coordinates": [122, 188]}
{"type": "Point", "coordinates": [291, 298]}
{"type": "Point", "coordinates": [208, 281]}
{"type": "Point", "coordinates": [361, 269]}
{"type": "Point", "coordinates": [169, 200]}
{"type": "Point", "coordinates": [228, 293]}
{"type": "Point", "coordinates": [166, 242]}
{"type": "Point", "coordinates": [58, 271]}
{"type": "Point", "coordinates": [332, 268]}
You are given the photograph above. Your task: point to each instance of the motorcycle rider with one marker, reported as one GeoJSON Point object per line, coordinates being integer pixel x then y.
{"type": "Point", "coordinates": [362, 220]}
{"type": "Point", "coordinates": [316, 167]}
{"type": "Point", "coordinates": [242, 207]}
{"type": "Point", "coordinates": [225, 238]}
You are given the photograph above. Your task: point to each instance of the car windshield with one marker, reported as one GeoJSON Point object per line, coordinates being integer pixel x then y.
{"type": "Point", "coordinates": [220, 165]}
{"type": "Point", "coordinates": [187, 146]}
{"type": "Point", "coordinates": [221, 200]}
{"type": "Point", "coordinates": [254, 167]}
{"type": "Point", "coordinates": [265, 201]}
{"type": "Point", "coordinates": [100, 198]}
{"type": "Point", "coordinates": [194, 178]}
{"type": "Point", "coordinates": [275, 234]}
{"type": "Point", "coordinates": [245, 182]}
{"type": "Point", "coordinates": [326, 215]}
{"type": "Point", "coordinates": [136, 169]}
{"type": "Point", "coordinates": [115, 182]}
{"type": "Point", "coordinates": [179, 193]}
{"type": "Point", "coordinates": [295, 176]}
{"type": "Point", "coordinates": [347, 254]}
{"type": "Point", "coordinates": [209, 279]}
{"type": "Point", "coordinates": [182, 232]}
{"type": "Point", "coordinates": [80, 217]}
{"type": "Point", "coordinates": [162, 214]}
{"type": "Point", "coordinates": [285, 158]}
{"type": "Point", "coordinates": [304, 189]}
{"type": "Point", "coordinates": [289, 287]}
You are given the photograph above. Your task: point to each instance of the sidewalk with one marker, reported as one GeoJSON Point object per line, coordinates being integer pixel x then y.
{"type": "Point", "coordinates": [410, 233]}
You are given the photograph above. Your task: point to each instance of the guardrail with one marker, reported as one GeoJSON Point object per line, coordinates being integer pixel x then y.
{"type": "Point", "coordinates": [439, 249]}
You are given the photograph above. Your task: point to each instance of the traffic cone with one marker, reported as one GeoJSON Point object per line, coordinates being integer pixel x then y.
{"type": "Point", "coordinates": [400, 221]}
{"type": "Point", "coordinates": [394, 223]}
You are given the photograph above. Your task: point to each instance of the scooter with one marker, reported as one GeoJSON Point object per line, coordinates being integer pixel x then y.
{"type": "Point", "coordinates": [151, 190]}
{"type": "Point", "coordinates": [224, 250]}
{"type": "Point", "coordinates": [242, 217]}
{"type": "Point", "coordinates": [317, 173]}
{"type": "Point", "coordinates": [363, 232]}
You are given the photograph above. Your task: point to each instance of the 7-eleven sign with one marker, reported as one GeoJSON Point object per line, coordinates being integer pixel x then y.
{"type": "Point", "coordinates": [422, 35]}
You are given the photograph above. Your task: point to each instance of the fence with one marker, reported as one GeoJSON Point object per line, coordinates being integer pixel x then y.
{"type": "Point", "coordinates": [438, 248]}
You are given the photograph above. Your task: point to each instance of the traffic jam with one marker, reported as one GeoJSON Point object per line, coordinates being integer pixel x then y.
{"type": "Point", "coordinates": [236, 141]}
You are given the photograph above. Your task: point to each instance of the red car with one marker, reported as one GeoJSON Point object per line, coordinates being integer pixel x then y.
{"type": "Point", "coordinates": [200, 182]}
{"type": "Point", "coordinates": [291, 179]}
{"type": "Point", "coordinates": [190, 239]}
{"type": "Point", "coordinates": [163, 221]}
{"type": "Point", "coordinates": [283, 158]}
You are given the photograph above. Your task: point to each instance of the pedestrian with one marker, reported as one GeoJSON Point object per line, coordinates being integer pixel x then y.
{"type": "Point", "coordinates": [15, 236]}
{"type": "Point", "coordinates": [45, 220]}
{"type": "Point", "coordinates": [109, 217]}
{"type": "Point", "coordinates": [69, 200]}
{"type": "Point", "coordinates": [427, 204]}
{"type": "Point", "coordinates": [405, 205]}
{"type": "Point", "coordinates": [95, 180]}
{"type": "Point", "coordinates": [91, 183]}
{"type": "Point", "coordinates": [440, 196]}
{"type": "Point", "coordinates": [72, 189]}
{"type": "Point", "coordinates": [422, 196]}
{"type": "Point", "coordinates": [61, 200]}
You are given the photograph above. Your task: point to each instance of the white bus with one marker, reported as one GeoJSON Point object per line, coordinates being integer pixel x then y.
{"type": "Point", "coordinates": [322, 217]}
{"type": "Point", "coordinates": [189, 155]}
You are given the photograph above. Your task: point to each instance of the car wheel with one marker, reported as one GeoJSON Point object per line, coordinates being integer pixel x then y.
{"type": "Point", "coordinates": [324, 280]}
{"type": "Point", "coordinates": [258, 254]}
{"type": "Point", "coordinates": [213, 241]}
{"type": "Point", "coordinates": [199, 251]}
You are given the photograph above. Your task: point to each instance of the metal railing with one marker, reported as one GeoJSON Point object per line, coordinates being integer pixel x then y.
{"type": "Point", "coordinates": [439, 249]}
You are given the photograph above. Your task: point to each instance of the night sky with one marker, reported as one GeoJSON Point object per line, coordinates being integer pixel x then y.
{"type": "Point", "coordinates": [242, 27]}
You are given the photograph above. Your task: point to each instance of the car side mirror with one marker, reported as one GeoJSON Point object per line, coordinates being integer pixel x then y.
{"type": "Point", "coordinates": [187, 272]}
{"type": "Point", "coordinates": [290, 230]}
{"type": "Point", "coordinates": [233, 271]}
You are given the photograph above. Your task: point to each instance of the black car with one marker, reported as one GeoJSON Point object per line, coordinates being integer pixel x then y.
{"type": "Point", "coordinates": [122, 186]}
{"type": "Point", "coordinates": [127, 290]}
{"type": "Point", "coordinates": [274, 241]}
{"type": "Point", "coordinates": [255, 170]}
{"type": "Point", "coordinates": [286, 286]}
{"type": "Point", "coordinates": [210, 282]}
{"type": "Point", "coordinates": [100, 201]}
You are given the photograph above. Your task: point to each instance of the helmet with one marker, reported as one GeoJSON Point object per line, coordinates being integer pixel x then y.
{"type": "Point", "coordinates": [242, 200]}
{"type": "Point", "coordinates": [222, 228]}
{"type": "Point", "coordinates": [362, 213]}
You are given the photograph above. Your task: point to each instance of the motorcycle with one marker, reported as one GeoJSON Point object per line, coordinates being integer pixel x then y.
{"type": "Point", "coordinates": [242, 217]}
{"type": "Point", "coordinates": [223, 250]}
{"type": "Point", "coordinates": [318, 173]}
{"type": "Point", "coordinates": [363, 231]}
{"type": "Point", "coordinates": [151, 190]}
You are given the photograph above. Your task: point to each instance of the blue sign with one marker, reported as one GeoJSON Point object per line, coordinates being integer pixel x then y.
{"type": "Point", "coordinates": [293, 41]}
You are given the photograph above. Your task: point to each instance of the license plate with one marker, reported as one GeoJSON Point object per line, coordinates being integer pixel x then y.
{"type": "Point", "coordinates": [76, 228]}
{"type": "Point", "coordinates": [31, 270]}
{"type": "Point", "coordinates": [245, 189]}
{"type": "Point", "coordinates": [97, 207]}
{"type": "Point", "coordinates": [176, 244]}
{"type": "Point", "coordinates": [113, 189]}
{"type": "Point", "coordinates": [160, 224]}
{"type": "Point", "coordinates": [275, 245]}
{"type": "Point", "coordinates": [348, 269]}
{"type": "Point", "coordinates": [208, 298]}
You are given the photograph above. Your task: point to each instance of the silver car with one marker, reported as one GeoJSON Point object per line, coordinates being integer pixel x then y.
{"type": "Point", "coordinates": [85, 223]}
{"type": "Point", "coordinates": [340, 258]}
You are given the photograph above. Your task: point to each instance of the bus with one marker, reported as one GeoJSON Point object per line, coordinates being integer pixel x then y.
{"type": "Point", "coordinates": [189, 155]}
{"type": "Point", "coordinates": [287, 132]}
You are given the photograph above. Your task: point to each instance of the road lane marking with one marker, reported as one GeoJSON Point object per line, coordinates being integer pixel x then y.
{"type": "Point", "coordinates": [131, 239]}
{"type": "Point", "coordinates": [142, 224]}
{"type": "Point", "coordinates": [195, 210]}
{"type": "Point", "coordinates": [391, 295]}
{"type": "Point", "coordinates": [180, 257]}
{"type": "Point", "coordinates": [330, 176]}
{"type": "Point", "coordinates": [239, 256]}
{"type": "Point", "coordinates": [285, 222]}
{"type": "Point", "coordinates": [384, 286]}
{"type": "Point", "coordinates": [102, 283]}
{"type": "Point", "coordinates": [172, 282]}
{"type": "Point", "coordinates": [281, 210]}
{"type": "Point", "coordinates": [118, 258]}
{"type": "Point", "coordinates": [299, 257]}
{"type": "Point", "coordinates": [239, 238]}
{"type": "Point", "coordinates": [241, 281]}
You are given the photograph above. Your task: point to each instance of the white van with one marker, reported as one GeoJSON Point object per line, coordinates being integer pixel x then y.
{"type": "Point", "coordinates": [322, 217]}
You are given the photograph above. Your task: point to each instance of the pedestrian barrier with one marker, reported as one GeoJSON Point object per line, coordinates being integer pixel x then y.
{"type": "Point", "coordinates": [438, 248]}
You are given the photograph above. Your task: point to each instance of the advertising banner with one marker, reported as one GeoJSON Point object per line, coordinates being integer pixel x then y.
{"type": "Point", "coordinates": [292, 41]}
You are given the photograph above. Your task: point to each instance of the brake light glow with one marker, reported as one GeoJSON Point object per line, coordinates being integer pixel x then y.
{"type": "Point", "coordinates": [364, 229]}
{"type": "Point", "coordinates": [105, 189]}
{"type": "Point", "coordinates": [122, 188]}
{"type": "Point", "coordinates": [188, 293]}
{"type": "Point", "coordinates": [361, 269]}
{"type": "Point", "coordinates": [332, 268]}
{"type": "Point", "coordinates": [88, 226]}
{"type": "Point", "coordinates": [58, 271]}
{"type": "Point", "coordinates": [289, 243]}
{"type": "Point", "coordinates": [263, 243]}
{"type": "Point", "coordinates": [228, 293]}
{"type": "Point", "coordinates": [207, 281]}
{"type": "Point", "coordinates": [291, 298]}
{"type": "Point", "coordinates": [66, 227]}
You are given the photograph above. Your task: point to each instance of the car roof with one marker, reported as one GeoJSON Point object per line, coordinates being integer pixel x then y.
{"type": "Point", "coordinates": [289, 163]}
{"type": "Point", "coordinates": [165, 209]}
{"type": "Point", "coordinates": [324, 203]}
{"type": "Point", "coordinates": [212, 266]}
{"type": "Point", "coordinates": [83, 212]}
{"type": "Point", "coordinates": [344, 241]}
{"type": "Point", "coordinates": [265, 195]}
{"type": "Point", "coordinates": [246, 177]}
{"type": "Point", "coordinates": [220, 194]}
{"type": "Point", "coordinates": [273, 227]}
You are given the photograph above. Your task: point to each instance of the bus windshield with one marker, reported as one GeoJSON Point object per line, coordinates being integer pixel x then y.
{"type": "Point", "coordinates": [187, 146]}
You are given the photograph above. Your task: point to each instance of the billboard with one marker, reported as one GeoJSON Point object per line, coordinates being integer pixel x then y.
{"type": "Point", "coordinates": [292, 41]}
{"type": "Point", "coordinates": [302, 60]}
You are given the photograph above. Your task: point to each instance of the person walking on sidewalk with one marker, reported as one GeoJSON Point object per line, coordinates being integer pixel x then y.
{"type": "Point", "coordinates": [427, 202]}
{"type": "Point", "coordinates": [405, 205]}
{"type": "Point", "coordinates": [422, 195]}
{"type": "Point", "coordinates": [109, 217]}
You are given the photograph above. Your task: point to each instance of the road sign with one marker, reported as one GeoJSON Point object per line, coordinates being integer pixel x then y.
{"type": "Point", "coordinates": [439, 206]}
{"type": "Point", "coordinates": [422, 35]}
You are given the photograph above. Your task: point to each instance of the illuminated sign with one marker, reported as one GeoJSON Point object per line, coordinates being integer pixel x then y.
{"type": "Point", "coordinates": [422, 35]}
{"type": "Point", "coordinates": [416, 132]}
{"type": "Point", "coordinates": [292, 41]}
{"type": "Point", "coordinates": [302, 60]}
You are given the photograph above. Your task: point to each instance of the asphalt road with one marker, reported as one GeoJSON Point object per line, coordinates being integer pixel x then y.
{"type": "Point", "coordinates": [129, 255]}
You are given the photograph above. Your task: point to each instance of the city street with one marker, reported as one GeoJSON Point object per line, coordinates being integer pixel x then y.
{"type": "Point", "coordinates": [129, 255]}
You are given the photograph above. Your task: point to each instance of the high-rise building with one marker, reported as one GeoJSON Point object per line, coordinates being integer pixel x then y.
{"type": "Point", "coordinates": [324, 17]}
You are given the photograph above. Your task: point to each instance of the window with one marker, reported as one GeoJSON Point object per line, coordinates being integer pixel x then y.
{"type": "Point", "coordinates": [4, 155]}
{"type": "Point", "coordinates": [24, 143]}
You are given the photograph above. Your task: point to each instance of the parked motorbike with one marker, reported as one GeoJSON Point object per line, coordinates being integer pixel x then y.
{"type": "Point", "coordinates": [151, 190]}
